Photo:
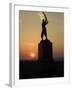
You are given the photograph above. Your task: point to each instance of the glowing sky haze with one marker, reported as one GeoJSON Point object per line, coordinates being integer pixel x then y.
{"type": "Point", "coordinates": [30, 33]}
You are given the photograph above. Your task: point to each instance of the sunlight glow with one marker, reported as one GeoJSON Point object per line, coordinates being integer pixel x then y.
{"type": "Point", "coordinates": [32, 55]}
{"type": "Point", "coordinates": [40, 15]}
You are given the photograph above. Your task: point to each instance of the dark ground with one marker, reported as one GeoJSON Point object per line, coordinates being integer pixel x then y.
{"type": "Point", "coordinates": [36, 69]}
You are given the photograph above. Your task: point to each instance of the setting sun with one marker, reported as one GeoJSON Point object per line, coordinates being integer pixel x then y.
{"type": "Point", "coordinates": [32, 55]}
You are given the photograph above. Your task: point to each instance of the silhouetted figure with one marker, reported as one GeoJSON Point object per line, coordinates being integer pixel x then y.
{"type": "Point", "coordinates": [44, 22]}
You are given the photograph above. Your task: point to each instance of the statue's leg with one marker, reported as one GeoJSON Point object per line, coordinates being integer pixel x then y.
{"type": "Point", "coordinates": [45, 34]}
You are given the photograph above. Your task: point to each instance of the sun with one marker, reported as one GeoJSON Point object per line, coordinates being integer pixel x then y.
{"type": "Point", "coordinates": [32, 55]}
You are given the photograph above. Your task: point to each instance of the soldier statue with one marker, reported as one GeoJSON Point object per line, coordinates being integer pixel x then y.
{"type": "Point", "coordinates": [44, 23]}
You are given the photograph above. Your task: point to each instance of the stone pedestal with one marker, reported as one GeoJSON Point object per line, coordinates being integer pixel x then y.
{"type": "Point", "coordinates": [45, 52]}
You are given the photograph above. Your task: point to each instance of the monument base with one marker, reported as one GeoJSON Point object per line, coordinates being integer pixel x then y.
{"type": "Point", "coordinates": [45, 52]}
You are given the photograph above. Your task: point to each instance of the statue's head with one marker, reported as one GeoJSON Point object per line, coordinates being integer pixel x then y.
{"type": "Point", "coordinates": [42, 20]}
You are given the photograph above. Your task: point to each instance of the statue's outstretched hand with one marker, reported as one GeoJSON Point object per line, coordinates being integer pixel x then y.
{"type": "Point", "coordinates": [44, 15]}
{"type": "Point", "coordinates": [43, 12]}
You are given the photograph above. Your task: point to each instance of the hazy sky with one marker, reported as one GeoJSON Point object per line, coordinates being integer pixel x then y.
{"type": "Point", "coordinates": [30, 33]}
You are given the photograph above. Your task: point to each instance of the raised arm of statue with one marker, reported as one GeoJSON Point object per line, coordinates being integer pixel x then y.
{"type": "Point", "coordinates": [44, 15]}
{"type": "Point", "coordinates": [46, 21]}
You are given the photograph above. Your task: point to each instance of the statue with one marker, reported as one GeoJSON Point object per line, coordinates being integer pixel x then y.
{"type": "Point", "coordinates": [44, 23]}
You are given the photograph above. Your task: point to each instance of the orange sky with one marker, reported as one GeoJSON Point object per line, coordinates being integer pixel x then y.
{"type": "Point", "coordinates": [30, 30]}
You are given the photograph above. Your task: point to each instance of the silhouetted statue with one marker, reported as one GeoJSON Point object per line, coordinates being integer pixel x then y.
{"type": "Point", "coordinates": [45, 49]}
{"type": "Point", "coordinates": [44, 23]}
